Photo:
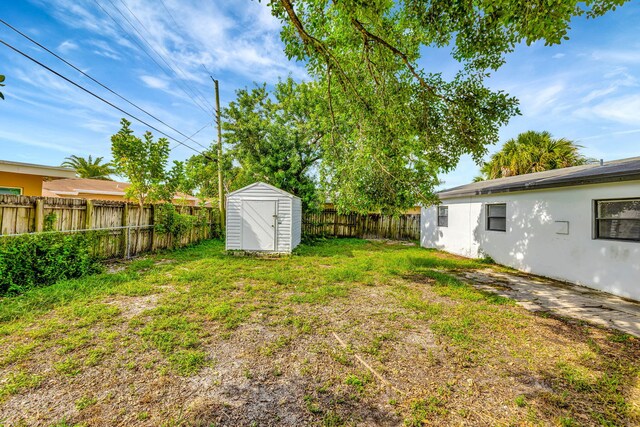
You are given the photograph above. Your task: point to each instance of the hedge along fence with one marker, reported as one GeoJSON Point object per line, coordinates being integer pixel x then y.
{"type": "Point", "coordinates": [366, 226]}
{"type": "Point", "coordinates": [128, 228]}
{"type": "Point", "coordinates": [46, 239]}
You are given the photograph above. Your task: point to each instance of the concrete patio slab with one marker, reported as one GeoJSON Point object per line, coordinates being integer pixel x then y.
{"type": "Point", "coordinates": [542, 294]}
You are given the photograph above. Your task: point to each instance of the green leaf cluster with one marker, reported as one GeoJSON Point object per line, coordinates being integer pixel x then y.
{"type": "Point", "coordinates": [143, 161]}
{"type": "Point", "coordinates": [89, 167]}
{"type": "Point", "coordinates": [2, 78]}
{"type": "Point", "coordinates": [395, 126]}
{"type": "Point", "coordinates": [530, 152]}
{"type": "Point", "coordinates": [277, 137]}
{"type": "Point", "coordinates": [32, 260]}
{"type": "Point", "coordinates": [169, 220]}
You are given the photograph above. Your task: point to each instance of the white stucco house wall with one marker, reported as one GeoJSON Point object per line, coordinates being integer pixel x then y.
{"type": "Point", "coordinates": [263, 218]}
{"type": "Point", "coordinates": [578, 224]}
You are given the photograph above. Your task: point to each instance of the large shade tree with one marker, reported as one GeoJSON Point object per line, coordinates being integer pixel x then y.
{"type": "Point", "coordinates": [89, 167]}
{"type": "Point", "coordinates": [532, 152]}
{"type": "Point", "coordinates": [277, 137]}
{"type": "Point", "coordinates": [395, 126]}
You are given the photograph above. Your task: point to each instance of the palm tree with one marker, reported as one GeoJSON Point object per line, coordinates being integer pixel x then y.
{"type": "Point", "coordinates": [532, 152]}
{"type": "Point", "coordinates": [89, 168]}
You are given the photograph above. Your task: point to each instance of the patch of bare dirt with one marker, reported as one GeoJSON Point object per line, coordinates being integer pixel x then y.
{"type": "Point", "coordinates": [133, 306]}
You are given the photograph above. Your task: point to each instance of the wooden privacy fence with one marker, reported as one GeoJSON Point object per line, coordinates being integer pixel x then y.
{"type": "Point", "coordinates": [127, 229]}
{"type": "Point", "coordinates": [367, 226]}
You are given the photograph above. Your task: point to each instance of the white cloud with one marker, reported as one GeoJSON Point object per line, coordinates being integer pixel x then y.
{"type": "Point", "coordinates": [67, 46]}
{"type": "Point", "coordinates": [241, 37]}
{"type": "Point", "coordinates": [104, 49]}
{"type": "Point", "coordinates": [537, 100]}
{"type": "Point", "coordinates": [155, 82]}
{"type": "Point", "coordinates": [617, 56]}
{"type": "Point", "coordinates": [558, 56]}
{"type": "Point", "coordinates": [623, 109]}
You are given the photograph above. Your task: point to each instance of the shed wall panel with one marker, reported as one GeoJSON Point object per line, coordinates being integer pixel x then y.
{"type": "Point", "coordinates": [296, 228]}
{"type": "Point", "coordinates": [284, 235]}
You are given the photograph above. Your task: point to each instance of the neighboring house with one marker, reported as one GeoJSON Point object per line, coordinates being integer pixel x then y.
{"type": "Point", "coordinates": [579, 224]}
{"type": "Point", "coordinates": [26, 179]}
{"type": "Point", "coordinates": [83, 188]}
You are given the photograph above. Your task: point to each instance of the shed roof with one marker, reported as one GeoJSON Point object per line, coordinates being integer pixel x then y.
{"type": "Point", "coordinates": [259, 183]}
{"type": "Point", "coordinates": [613, 171]}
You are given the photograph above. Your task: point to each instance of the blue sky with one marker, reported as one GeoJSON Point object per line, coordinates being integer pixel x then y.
{"type": "Point", "coordinates": [587, 89]}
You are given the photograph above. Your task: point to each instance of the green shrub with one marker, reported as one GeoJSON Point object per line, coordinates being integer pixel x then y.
{"type": "Point", "coordinates": [32, 260]}
{"type": "Point", "coordinates": [170, 221]}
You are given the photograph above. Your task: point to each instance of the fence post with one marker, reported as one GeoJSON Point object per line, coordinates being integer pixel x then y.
{"type": "Point", "coordinates": [152, 223]}
{"type": "Point", "coordinates": [88, 216]}
{"type": "Point", "coordinates": [39, 215]}
{"type": "Point", "coordinates": [128, 242]}
{"type": "Point", "coordinates": [125, 231]}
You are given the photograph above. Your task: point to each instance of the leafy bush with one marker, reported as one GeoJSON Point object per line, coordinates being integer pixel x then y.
{"type": "Point", "coordinates": [32, 260]}
{"type": "Point", "coordinates": [168, 220]}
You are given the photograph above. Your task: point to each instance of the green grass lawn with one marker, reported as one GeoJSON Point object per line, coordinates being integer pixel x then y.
{"type": "Point", "coordinates": [343, 332]}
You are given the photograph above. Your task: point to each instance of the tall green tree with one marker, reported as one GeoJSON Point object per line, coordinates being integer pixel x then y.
{"type": "Point", "coordinates": [202, 175]}
{"type": "Point", "coordinates": [278, 137]}
{"type": "Point", "coordinates": [143, 161]}
{"type": "Point", "coordinates": [89, 167]}
{"type": "Point", "coordinates": [396, 126]}
{"type": "Point", "coordinates": [532, 152]}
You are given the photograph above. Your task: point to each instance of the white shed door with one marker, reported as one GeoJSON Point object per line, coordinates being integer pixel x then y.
{"type": "Point", "coordinates": [258, 225]}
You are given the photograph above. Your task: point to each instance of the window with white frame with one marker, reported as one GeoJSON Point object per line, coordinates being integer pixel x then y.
{"type": "Point", "coordinates": [617, 219]}
{"type": "Point", "coordinates": [15, 191]}
{"type": "Point", "coordinates": [497, 217]}
{"type": "Point", "coordinates": [443, 216]}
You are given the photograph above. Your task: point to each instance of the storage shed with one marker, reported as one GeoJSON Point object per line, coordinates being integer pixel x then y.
{"type": "Point", "coordinates": [261, 217]}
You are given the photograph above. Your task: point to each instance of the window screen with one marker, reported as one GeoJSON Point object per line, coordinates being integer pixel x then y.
{"type": "Point", "coordinates": [10, 190]}
{"type": "Point", "coordinates": [618, 219]}
{"type": "Point", "coordinates": [497, 217]}
{"type": "Point", "coordinates": [443, 216]}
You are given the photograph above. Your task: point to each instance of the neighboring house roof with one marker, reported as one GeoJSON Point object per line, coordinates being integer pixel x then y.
{"type": "Point", "coordinates": [98, 187]}
{"type": "Point", "coordinates": [260, 183]}
{"type": "Point", "coordinates": [613, 171]}
{"type": "Point", "coordinates": [40, 170]}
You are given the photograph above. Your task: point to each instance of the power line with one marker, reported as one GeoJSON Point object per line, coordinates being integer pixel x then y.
{"type": "Point", "coordinates": [169, 12]}
{"type": "Point", "coordinates": [195, 91]}
{"type": "Point", "coordinates": [162, 58]}
{"type": "Point", "coordinates": [99, 83]}
{"type": "Point", "coordinates": [183, 86]}
{"type": "Point", "coordinates": [194, 134]}
{"type": "Point", "coordinates": [142, 48]}
{"type": "Point", "coordinates": [99, 97]}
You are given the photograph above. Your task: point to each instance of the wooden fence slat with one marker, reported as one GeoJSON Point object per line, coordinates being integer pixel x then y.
{"type": "Point", "coordinates": [24, 214]}
{"type": "Point", "coordinates": [329, 223]}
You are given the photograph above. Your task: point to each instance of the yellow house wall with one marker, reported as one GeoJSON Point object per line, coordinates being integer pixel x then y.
{"type": "Point", "coordinates": [31, 184]}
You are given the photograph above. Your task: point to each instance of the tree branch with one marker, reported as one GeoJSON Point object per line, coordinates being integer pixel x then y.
{"type": "Point", "coordinates": [369, 35]}
{"type": "Point", "coordinates": [320, 47]}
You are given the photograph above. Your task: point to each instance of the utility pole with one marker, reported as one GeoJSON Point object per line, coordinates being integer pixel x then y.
{"type": "Point", "coordinates": [221, 206]}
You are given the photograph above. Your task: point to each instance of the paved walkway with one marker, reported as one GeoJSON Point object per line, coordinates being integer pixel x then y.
{"type": "Point", "coordinates": [539, 294]}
